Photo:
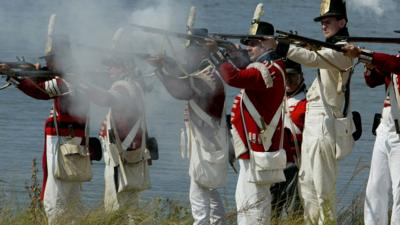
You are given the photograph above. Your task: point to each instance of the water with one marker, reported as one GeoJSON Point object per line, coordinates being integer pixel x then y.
{"type": "Point", "coordinates": [22, 118]}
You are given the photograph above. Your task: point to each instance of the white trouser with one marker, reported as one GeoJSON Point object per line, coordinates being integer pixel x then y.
{"type": "Point", "coordinates": [59, 196]}
{"type": "Point", "coordinates": [318, 170]}
{"type": "Point", "coordinates": [253, 201]}
{"type": "Point", "coordinates": [127, 200]}
{"type": "Point", "coordinates": [384, 176]}
{"type": "Point", "coordinates": [207, 205]}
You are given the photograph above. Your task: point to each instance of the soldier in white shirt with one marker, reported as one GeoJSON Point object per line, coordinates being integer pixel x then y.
{"type": "Point", "coordinates": [317, 175]}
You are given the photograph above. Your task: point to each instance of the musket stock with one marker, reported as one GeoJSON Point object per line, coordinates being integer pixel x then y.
{"type": "Point", "coordinates": [315, 44]}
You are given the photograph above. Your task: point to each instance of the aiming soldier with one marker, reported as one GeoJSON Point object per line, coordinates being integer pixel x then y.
{"type": "Point", "coordinates": [123, 133]}
{"type": "Point", "coordinates": [206, 128]}
{"type": "Point", "coordinates": [382, 61]}
{"type": "Point", "coordinates": [257, 125]}
{"type": "Point", "coordinates": [325, 101]}
{"type": "Point", "coordinates": [382, 69]}
{"type": "Point", "coordinates": [66, 162]}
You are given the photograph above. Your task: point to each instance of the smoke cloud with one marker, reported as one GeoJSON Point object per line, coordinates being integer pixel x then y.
{"type": "Point", "coordinates": [379, 7]}
{"type": "Point", "coordinates": [90, 26]}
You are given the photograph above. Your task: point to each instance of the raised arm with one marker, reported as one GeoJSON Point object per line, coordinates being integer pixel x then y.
{"type": "Point", "coordinates": [386, 62]}
{"type": "Point", "coordinates": [42, 89]}
{"type": "Point", "coordinates": [323, 59]}
{"type": "Point", "coordinates": [381, 61]}
{"type": "Point", "coordinates": [255, 77]}
{"type": "Point", "coordinates": [179, 88]}
{"type": "Point", "coordinates": [172, 77]}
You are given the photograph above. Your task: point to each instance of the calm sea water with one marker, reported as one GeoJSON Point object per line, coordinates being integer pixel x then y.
{"type": "Point", "coordinates": [23, 25]}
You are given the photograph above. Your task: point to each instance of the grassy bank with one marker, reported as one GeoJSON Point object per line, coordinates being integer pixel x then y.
{"type": "Point", "coordinates": [156, 211]}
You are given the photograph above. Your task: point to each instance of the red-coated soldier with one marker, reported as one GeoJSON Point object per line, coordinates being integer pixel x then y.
{"type": "Point", "coordinates": [285, 197]}
{"type": "Point", "coordinates": [67, 119]}
{"type": "Point", "coordinates": [382, 61]}
{"type": "Point", "coordinates": [382, 69]}
{"type": "Point", "coordinates": [257, 127]}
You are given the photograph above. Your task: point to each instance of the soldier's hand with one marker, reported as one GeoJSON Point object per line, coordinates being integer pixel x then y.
{"type": "Point", "coordinates": [211, 44]}
{"type": "Point", "coordinates": [351, 50]}
{"type": "Point", "coordinates": [4, 68]}
{"type": "Point", "coordinates": [369, 66]}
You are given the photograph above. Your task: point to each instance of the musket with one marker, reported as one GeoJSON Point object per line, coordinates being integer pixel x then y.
{"type": "Point", "coordinates": [225, 36]}
{"type": "Point", "coordinates": [13, 72]}
{"type": "Point", "coordinates": [315, 44]}
{"type": "Point", "coordinates": [19, 65]}
{"type": "Point", "coordinates": [383, 40]}
{"type": "Point", "coordinates": [20, 69]}
{"type": "Point", "coordinates": [198, 38]}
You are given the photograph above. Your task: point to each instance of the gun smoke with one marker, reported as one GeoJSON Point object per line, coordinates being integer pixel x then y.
{"type": "Point", "coordinates": [379, 7]}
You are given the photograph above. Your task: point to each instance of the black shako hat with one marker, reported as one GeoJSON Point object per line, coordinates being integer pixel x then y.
{"type": "Point", "coordinates": [263, 28]}
{"type": "Point", "coordinates": [203, 32]}
{"type": "Point", "coordinates": [292, 67]}
{"type": "Point", "coordinates": [332, 8]}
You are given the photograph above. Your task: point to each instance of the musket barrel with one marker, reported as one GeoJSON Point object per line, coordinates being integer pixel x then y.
{"type": "Point", "coordinates": [383, 40]}
{"type": "Point", "coordinates": [238, 36]}
{"type": "Point", "coordinates": [31, 73]}
{"type": "Point", "coordinates": [309, 41]}
{"type": "Point", "coordinates": [178, 34]}
{"type": "Point", "coordinates": [19, 65]}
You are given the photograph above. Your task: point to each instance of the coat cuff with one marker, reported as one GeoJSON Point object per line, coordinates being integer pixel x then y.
{"type": "Point", "coordinates": [366, 56]}
{"type": "Point", "coordinates": [217, 58]}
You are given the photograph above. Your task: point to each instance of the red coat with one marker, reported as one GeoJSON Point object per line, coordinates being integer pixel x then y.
{"type": "Point", "coordinates": [378, 77]}
{"type": "Point", "coordinates": [387, 63]}
{"type": "Point", "coordinates": [297, 109]}
{"type": "Point", "coordinates": [71, 118]}
{"type": "Point", "coordinates": [266, 101]}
